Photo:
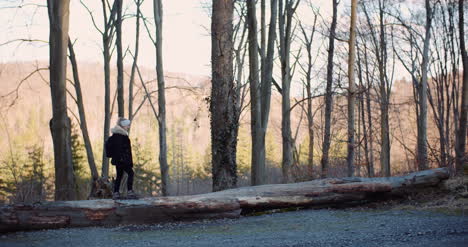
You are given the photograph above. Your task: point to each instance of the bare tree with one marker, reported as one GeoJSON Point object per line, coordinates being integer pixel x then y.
{"type": "Point", "coordinates": [461, 134]}
{"type": "Point", "coordinates": [329, 93]}
{"type": "Point", "coordinates": [379, 44]}
{"type": "Point", "coordinates": [257, 167]}
{"type": "Point", "coordinates": [135, 60]}
{"type": "Point", "coordinates": [364, 74]}
{"type": "Point", "coordinates": [307, 42]}
{"type": "Point", "coordinates": [351, 89]}
{"type": "Point", "coordinates": [285, 17]}
{"type": "Point", "coordinates": [240, 54]}
{"type": "Point", "coordinates": [82, 114]}
{"type": "Point", "coordinates": [107, 37]}
{"type": "Point", "coordinates": [422, 92]}
{"type": "Point", "coordinates": [118, 44]}
{"type": "Point", "coordinates": [158, 17]}
{"type": "Point", "coordinates": [444, 86]}
{"type": "Point", "coordinates": [223, 101]}
{"type": "Point", "coordinates": [60, 126]}
{"type": "Point", "coordinates": [419, 77]}
{"type": "Point", "coordinates": [260, 86]}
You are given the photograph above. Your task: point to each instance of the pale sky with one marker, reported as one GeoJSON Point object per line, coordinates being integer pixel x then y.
{"type": "Point", "coordinates": [186, 40]}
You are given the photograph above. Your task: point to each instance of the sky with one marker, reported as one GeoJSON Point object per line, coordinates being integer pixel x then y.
{"type": "Point", "coordinates": [186, 40]}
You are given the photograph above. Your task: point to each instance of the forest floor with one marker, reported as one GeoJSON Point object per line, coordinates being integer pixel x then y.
{"type": "Point", "coordinates": [435, 217]}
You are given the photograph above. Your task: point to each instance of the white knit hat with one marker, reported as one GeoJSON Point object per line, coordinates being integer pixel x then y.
{"type": "Point", "coordinates": [124, 122]}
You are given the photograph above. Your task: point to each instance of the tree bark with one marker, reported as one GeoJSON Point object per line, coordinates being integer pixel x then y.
{"type": "Point", "coordinates": [369, 114]}
{"type": "Point", "coordinates": [285, 38]}
{"type": "Point", "coordinates": [135, 61]}
{"type": "Point", "coordinates": [158, 15]}
{"type": "Point", "coordinates": [362, 112]}
{"type": "Point", "coordinates": [351, 90]}
{"type": "Point", "coordinates": [381, 53]}
{"type": "Point", "coordinates": [223, 101]}
{"type": "Point", "coordinates": [106, 41]}
{"type": "Point", "coordinates": [258, 164]}
{"type": "Point", "coordinates": [321, 193]}
{"type": "Point", "coordinates": [308, 83]}
{"type": "Point", "coordinates": [460, 144]}
{"type": "Point", "coordinates": [262, 33]}
{"type": "Point", "coordinates": [422, 91]}
{"type": "Point", "coordinates": [60, 127]}
{"type": "Point", "coordinates": [329, 93]}
{"type": "Point", "coordinates": [118, 43]}
{"type": "Point", "coordinates": [82, 113]}
{"type": "Point", "coordinates": [266, 81]}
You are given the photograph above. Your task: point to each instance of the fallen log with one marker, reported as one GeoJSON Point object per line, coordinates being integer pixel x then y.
{"type": "Point", "coordinates": [222, 204]}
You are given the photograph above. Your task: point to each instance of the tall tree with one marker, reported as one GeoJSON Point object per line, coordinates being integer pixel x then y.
{"type": "Point", "coordinates": [135, 60]}
{"type": "Point", "coordinates": [460, 144]}
{"type": "Point", "coordinates": [258, 167]}
{"type": "Point", "coordinates": [351, 89]}
{"type": "Point", "coordinates": [307, 42]}
{"type": "Point", "coordinates": [118, 44]}
{"type": "Point", "coordinates": [328, 92]}
{"type": "Point", "coordinates": [285, 17]}
{"type": "Point", "coordinates": [384, 96]}
{"type": "Point", "coordinates": [158, 18]}
{"type": "Point", "coordinates": [107, 36]}
{"type": "Point", "coordinates": [260, 86]}
{"type": "Point", "coordinates": [223, 100]}
{"type": "Point", "coordinates": [82, 114]}
{"type": "Point", "coordinates": [422, 91]}
{"type": "Point", "coordinates": [60, 126]}
{"type": "Point", "coordinates": [443, 89]}
{"type": "Point", "coordinates": [379, 43]}
{"type": "Point", "coordinates": [364, 74]}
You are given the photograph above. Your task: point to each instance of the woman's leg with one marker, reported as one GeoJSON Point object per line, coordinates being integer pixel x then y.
{"type": "Point", "coordinates": [130, 173]}
{"type": "Point", "coordinates": [120, 171]}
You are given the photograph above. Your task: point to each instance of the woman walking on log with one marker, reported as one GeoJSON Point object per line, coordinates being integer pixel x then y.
{"type": "Point", "coordinates": [119, 148]}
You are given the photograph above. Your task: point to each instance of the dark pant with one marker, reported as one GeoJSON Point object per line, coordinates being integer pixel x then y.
{"type": "Point", "coordinates": [120, 171]}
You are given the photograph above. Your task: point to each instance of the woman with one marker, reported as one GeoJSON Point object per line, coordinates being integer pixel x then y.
{"type": "Point", "coordinates": [119, 148]}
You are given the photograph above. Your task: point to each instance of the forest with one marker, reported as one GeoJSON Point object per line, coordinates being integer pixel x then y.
{"type": "Point", "coordinates": [295, 90]}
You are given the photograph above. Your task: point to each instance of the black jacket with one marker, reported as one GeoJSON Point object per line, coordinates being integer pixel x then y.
{"type": "Point", "coordinates": [120, 150]}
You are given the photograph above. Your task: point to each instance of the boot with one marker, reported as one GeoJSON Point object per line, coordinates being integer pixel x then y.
{"type": "Point", "coordinates": [131, 195]}
{"type": "Point", "coordinates": [116, 196]}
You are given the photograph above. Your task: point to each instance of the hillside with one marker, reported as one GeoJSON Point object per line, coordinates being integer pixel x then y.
{"type": "Point", "coordinates": [25, 116]}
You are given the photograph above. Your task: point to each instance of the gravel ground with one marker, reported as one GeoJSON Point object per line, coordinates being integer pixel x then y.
{"type": "Point", "coordinates": [299, 228]}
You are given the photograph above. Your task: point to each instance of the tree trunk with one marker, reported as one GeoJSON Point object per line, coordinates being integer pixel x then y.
{"type": "Point", "coordinates": [351, 89]}
{"type": "Point", "coordinates": [323, 193]}
{"type": "Point", "coordinates": [81, 110]}
{"type": "Point", "coordinates": [158, 15]}
{"type": "Point", "coordinates": [60, 123]}
{"type": "Point", "coordinates": [262, 33]}
{"type": "Point", "coordinates": [135, 61]}
{"type": "Point", "coordinates": [118, 43]}
{"type": "Point", "coordinates": [223, 101]}
{"type": "Point", "coordinates": [265, 89]}
{"type": "Point", "coordinates": [308, 83]}
{"type": "Point", "coordinates": [329, 93]}
{"type": "Point", "coordinates": [369, 115]}
{"type": "Point", "coordinates": [285, 26]}
{"type": "Point", "coordinates": [106, 41]}
{"type": "Point", "coordinates": [384, 97]}
{"type": "Point", "coordinates": [258, 164]}
{"type": "Point", "coordinates": [460, 145]}
{"type": "Point", "coordinates": [362, 112]}
{"type": "Point", "coordinates": [422, 91]}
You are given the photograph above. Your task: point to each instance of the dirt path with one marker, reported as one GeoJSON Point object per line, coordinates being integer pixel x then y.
{"type": "Point", "coordinates": [299, 228]}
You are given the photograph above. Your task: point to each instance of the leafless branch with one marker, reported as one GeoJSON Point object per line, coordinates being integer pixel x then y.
{"type": "Point", "coordinates": [24, 40]}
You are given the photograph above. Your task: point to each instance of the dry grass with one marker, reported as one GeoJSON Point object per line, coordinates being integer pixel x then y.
{"type": "Point", "coordinates": [450, 197]}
